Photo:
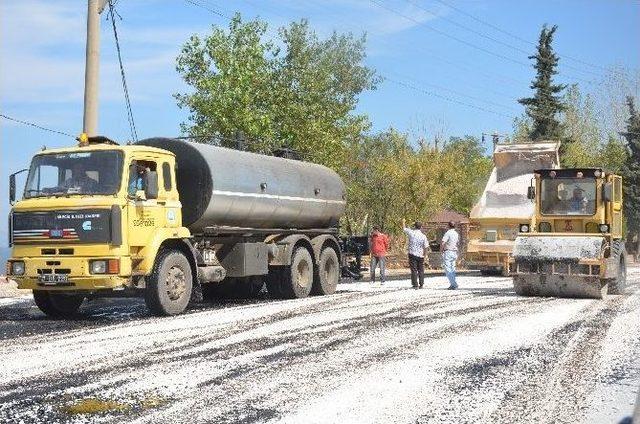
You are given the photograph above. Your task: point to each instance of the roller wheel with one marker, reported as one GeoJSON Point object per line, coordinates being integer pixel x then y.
{"type": "Point", "coordinates": [170, 284]}
{"type": "Point", "coordinates": [328, 272]}
{"type": "Point", "coordinates": [57, 305]}
{"type": "Point", "coordinates": [619, 284]}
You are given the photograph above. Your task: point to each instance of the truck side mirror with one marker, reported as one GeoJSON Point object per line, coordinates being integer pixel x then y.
{"type": "Point", "coordinates": [151, 185]}
{"type": "Point", "coordinates": [531, 192]}
{"type": "Point", "coordinates": [12, 185]}
{"type": "Point", "coordinates": [607, 192]}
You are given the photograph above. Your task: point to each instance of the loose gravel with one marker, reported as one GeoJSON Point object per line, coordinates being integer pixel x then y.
{"type": "Point", "coordinates": [367, 354]}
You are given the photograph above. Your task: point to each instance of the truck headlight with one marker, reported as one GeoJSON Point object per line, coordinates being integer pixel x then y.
{"type": "Point", "coordinates": [17, 268]}
{"type": "Point", "coordinates": [104, 266]}
{"type": "Point", "coordinates": [98, 267]}
{"type": "Point", "coordinates": [604, 228]}
{"type": "Point", "coordinates": [524, 228]}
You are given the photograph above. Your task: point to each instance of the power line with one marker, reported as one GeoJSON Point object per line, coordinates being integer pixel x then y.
{"type": "Point", "coordinates": [406, 85]}
{"type": "Point", "coordinates": [459, 40]}
{"type": "Point", "coordinates": [457, 93]}
{"type": "Point", "coordinates": [448, 99]}
{"type": "Point", "coordinates": [523, 40]}
{"type": "Point", "coordinates": [132, 124]}
{"type": "Point", "coordinates": [210, 9]}
{"type": "Point", "coordinates": [495, 40]}
{"type": "Point", "coordinates": [31, 124]}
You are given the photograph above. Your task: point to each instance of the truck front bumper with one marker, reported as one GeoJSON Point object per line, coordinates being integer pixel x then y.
{"type": "Point", "coordinates": [75, 271]}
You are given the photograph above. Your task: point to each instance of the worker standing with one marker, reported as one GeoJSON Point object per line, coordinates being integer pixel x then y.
{"type": "Point", "coordinates": [418, 244]}
{"type": "Point", "coordinates": [379, 246]}
{"type": "Point", "coordinates": [449, 248]}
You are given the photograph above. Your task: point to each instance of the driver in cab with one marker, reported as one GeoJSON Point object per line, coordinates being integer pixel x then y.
{"type": "Point", "coordinates": [578, 203]}
{"type": "Point", "coordinates": [80, 182]}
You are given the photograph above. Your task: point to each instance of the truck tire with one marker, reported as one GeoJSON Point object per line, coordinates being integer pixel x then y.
{"type": "Point", "coordinates": [297, 279]}
{"type": "Point", "coordinates": [57, 305]}
{"type": "Point", "coordinates": [328, 273]}
{"type": "Point", "coordinates": [169, 286]}
{"type": "Point", "coordinates": [619, 284]}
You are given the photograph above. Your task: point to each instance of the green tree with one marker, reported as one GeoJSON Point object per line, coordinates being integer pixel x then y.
{"type": "Point", "coordinates": [546, 104]}
{"type": "Point", "coordinates": [631, 171]}
{"type": "Point", "coordinates": [613, 155]}
{"type": "Point", "coordinates": [300, 95]}
{"type": "Point", "coordinates": [469, 173]}
{"type": "Point", "coordinates": [582, 135]}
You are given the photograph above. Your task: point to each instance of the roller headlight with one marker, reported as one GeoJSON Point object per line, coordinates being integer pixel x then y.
{"type": "Point", "coordinates": [17, 268]}
{"type": "Point", "coordinates": [604, 228]}
{"type": "Point", "coordinates": [544, 227]}
{"type": "Point", "coordinates": [524, 228]}
{"type": "Point", "coordinates": [98, 267]}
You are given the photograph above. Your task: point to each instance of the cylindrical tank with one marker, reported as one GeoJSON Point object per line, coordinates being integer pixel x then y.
{"type": "Point", "coordinates": [226, 187]}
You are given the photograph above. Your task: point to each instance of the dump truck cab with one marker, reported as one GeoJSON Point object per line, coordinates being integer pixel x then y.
{"type": "Point", "coordinates": [503, 206]}
{"type": "Point", "coordinates": [573, 245]}
{"type": "Point", "coordinates": [92, 218]}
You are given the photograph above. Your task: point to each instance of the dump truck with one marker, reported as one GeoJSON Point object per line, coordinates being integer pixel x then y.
{"type": "Point", "coordinates": [573, 245]}
{"type": "Point", "coordinates": [494, 219]}
{"type": "Point", "coordinates": [168, 219]}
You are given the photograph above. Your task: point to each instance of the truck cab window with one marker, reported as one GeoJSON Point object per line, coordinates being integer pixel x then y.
{"type": "Point", "coordinates": [568, 196]}
{"type": "Point", "coordinates": [166, 176]}
{"type": "Point", "coordinates": [137, 172]}
{"type": "Point", "coordinates": [58, 174]}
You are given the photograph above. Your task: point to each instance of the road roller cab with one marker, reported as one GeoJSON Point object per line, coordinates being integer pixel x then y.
{"type": "Point", "coordinates": [573, 245]}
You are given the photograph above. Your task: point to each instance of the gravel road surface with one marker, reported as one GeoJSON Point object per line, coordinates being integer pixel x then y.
{"type": "Point", "coordinates": [368, 354]}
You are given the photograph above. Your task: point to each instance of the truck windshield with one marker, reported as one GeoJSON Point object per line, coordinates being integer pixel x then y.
{"type": "Point", "coordinates": [56, 174]}
{"type": "Point", "coordinates": [568, 196]}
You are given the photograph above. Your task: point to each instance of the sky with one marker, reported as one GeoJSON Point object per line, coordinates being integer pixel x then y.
{"type": "Point", "coordinates": [451, 67]}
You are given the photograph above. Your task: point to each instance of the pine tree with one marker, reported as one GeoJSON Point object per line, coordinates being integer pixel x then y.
{"type": "Point", "coordinates": [631, 173]}
{"type": "Point", "coordinates": [543, 108]}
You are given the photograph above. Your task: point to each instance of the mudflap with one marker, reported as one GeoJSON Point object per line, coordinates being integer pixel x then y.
{"type": "Point", "coordinates": [553, 285]}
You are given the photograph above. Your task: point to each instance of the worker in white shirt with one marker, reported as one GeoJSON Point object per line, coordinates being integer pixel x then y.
{"type": "Point", "coordinates": [449, 248]}
{"type": "Point", "coordinates": [418, 244]}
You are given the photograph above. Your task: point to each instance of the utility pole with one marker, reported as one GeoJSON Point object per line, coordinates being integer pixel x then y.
{"type": "Point", "coordinates": [91, 70]}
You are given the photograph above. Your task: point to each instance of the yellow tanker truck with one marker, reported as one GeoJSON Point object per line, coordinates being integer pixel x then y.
{"type": "Point", "coordinates": [573, 245]}
{"type": "Point", "coordinates": [165, 219]}
{"type": "Point", "coordinates": [494, 219]}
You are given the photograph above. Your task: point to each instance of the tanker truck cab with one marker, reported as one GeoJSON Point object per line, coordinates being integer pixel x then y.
{"type": "Point", "coordinates": [170, 221]}
{"type": "Point", "coordinates": [80, 231]}
{"type": "Point", "coordinates": [573, 246]}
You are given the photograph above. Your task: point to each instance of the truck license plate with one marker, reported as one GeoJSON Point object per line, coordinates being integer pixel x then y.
{"type": "Point", "coordinates": [53, 278]}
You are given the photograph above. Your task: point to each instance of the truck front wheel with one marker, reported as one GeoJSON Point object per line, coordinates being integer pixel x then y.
{"type": "Point", "coordinates": [57, 305]}
{"type": "Point", "coordinates": [168, 288]}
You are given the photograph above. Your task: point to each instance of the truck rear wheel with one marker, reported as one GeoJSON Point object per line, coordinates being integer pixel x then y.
{"type": "Point", "coordinates": [57, 305]}
{"type": "Point", "coordinates": [169, 286]}
{"type": "Point", "coordinates": [295, 281]}
{"type": "Point", "coordinates": [328, 272]}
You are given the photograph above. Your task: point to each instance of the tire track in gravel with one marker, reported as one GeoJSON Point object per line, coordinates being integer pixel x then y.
{"type": "Point", "coordinates": [303, 358]}
{"type": "Point", "coordinates": [355, 328]}
{"type": "Point", "coordinates": [555, 376]}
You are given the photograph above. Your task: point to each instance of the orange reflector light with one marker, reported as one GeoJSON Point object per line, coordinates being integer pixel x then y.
{"type": "Point", "coordinates": [113, 266]}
